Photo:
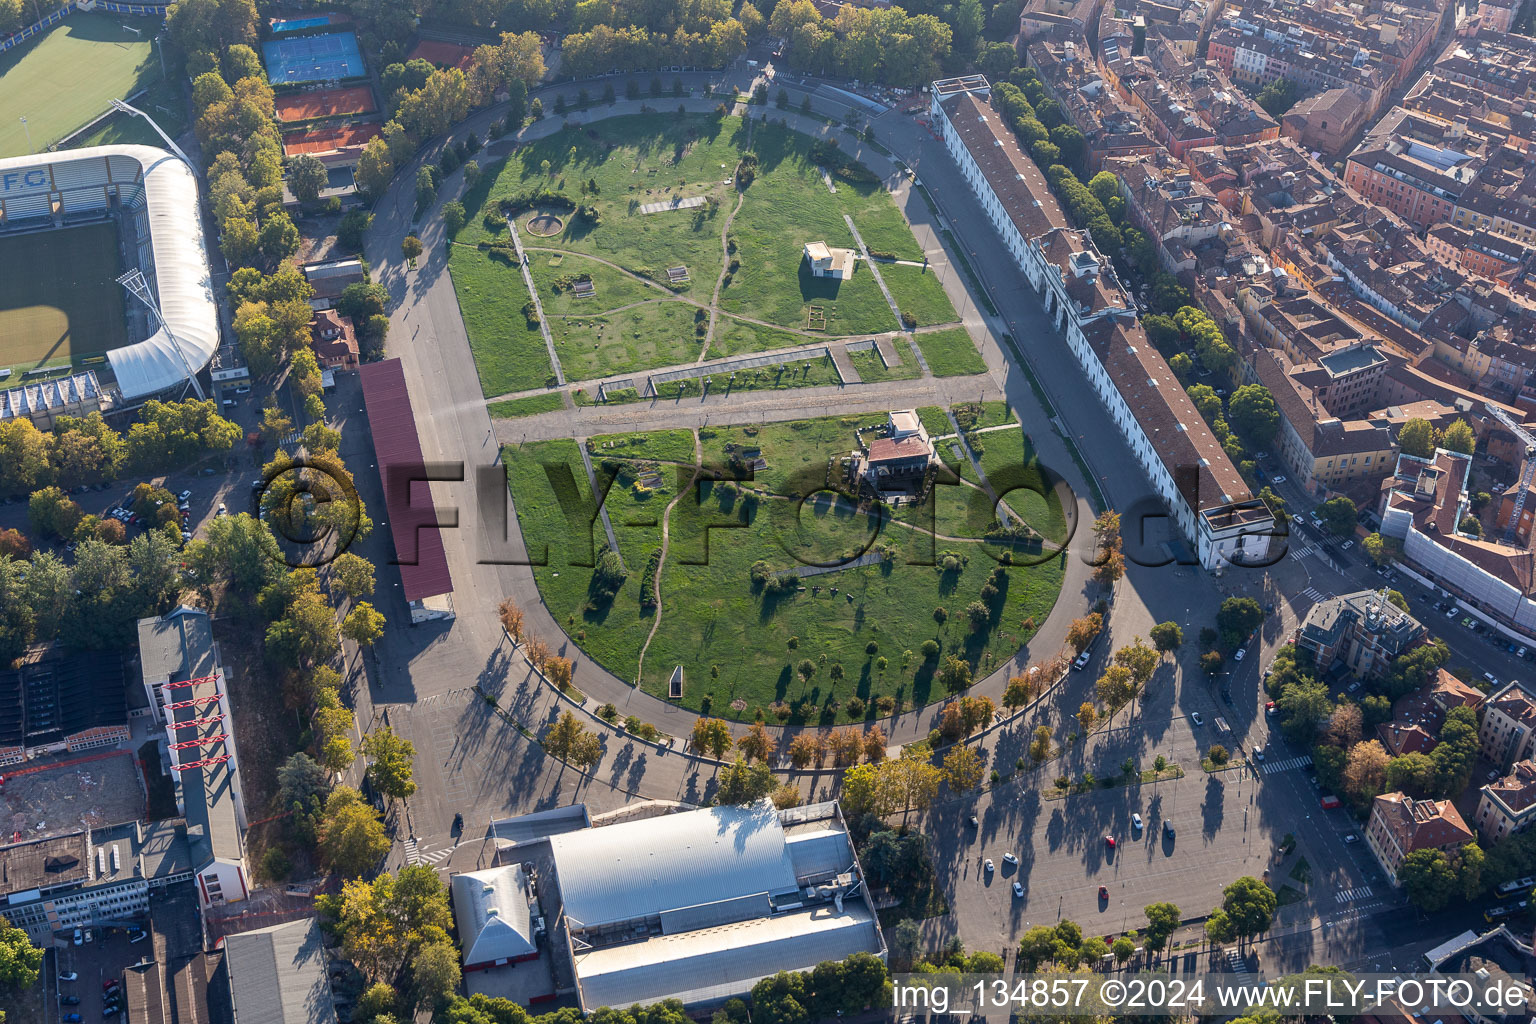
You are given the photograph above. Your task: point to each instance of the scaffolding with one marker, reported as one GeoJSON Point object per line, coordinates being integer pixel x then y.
{"type": "Point", "coordinates": [207, 762]}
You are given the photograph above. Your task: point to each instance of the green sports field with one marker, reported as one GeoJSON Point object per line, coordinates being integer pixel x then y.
{"type": "Point", "coordinates": [70, 76]}
{"type": "Point", "coordinates": [58, 299]}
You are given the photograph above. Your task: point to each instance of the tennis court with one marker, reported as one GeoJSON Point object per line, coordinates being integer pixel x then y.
{"type": "Point", "coordinates": [59, 299]}
{"type": "Point", "coordinates": [305, 106]}
{"type": "Point", "coordinates": [326, 140]}
{"type": "Point", "coordinates": [42, 80]}
{"type": "Point", "coordinates": [312, 58]}
{"type": "Point", "coordinates": [447, 55]}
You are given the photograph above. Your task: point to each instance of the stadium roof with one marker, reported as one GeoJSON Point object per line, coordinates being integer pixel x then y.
{"type": "Point", "coordinates": [277, 975]}
{"type": "Point", "coordinates": [182, 280]}
{"type": "Point", "coordinates": [642, 868]}
{"type": "Point", "coordinates": [413, 525]}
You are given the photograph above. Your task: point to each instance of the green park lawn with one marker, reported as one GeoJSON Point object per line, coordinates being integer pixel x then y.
{"type": "Point", "coordinates": [733, 640]}
{"type": "Point", "coordinates": [872, 368]}
{"type": "Point", "coordinates": [950, 353]}
{"type": "Point", "coordinates": [70, 75]}
{"type": "Point", "coordinates": [617, 167]}
{"type": "Point", "coordinates": [529, 405]}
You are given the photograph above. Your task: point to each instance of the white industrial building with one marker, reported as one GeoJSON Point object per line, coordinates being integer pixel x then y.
{"type": "Point", "coordinates": [494, 915]}
{"type": "Point", "coordinates": [700, 905]}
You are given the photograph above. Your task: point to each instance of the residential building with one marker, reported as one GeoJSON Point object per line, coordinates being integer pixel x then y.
{"type": "Point", "coordinates": [899, 460]}
{"type": "Point", "coordinates": [1508, 805]}
{"type": "Point", "coordinates": [829, 261]}
{"type": "Point", "coordinates": [1362, 630]}
{"type": "Point", "coordinates": [1326, 122]}
{"type": "Point", "coordinates": [185, 684]}
{"type": "Point", "coordinates": [1202, 492]}
{"type": "Point", "coordinates": [1508, 729]}
{"type": "Point", "coordinates": [334, 340]}
{"type": "Point", "coordinates": [1416, 165]}
{"type": "Point", "coordinates": [1400, 825]}
{"type": "Point", "coordinates": [1497, 958]}
{"type": "Point", "coordinates": [329, 278]}
{"type": "Point", "coordinates": [1417, 717]}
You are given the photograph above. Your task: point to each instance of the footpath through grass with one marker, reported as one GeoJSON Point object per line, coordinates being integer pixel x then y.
{"type": "Point", "coordinates": [620, 167]}
{"type": "Point", "coordinates": [70, 75]}
{"type": "Point", "coordinates": [846, 646]}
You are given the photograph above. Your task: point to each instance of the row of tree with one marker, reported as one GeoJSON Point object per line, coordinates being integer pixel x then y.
{"type": "Point", "coordinates": [87, 450]}
{"type": "Point", "coordinates": [883, 44]}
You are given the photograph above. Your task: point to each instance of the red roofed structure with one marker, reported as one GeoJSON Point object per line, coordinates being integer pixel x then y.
{"type": "Point", "coordinates": [413, 525]}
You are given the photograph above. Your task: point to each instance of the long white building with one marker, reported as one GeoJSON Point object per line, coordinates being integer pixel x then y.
{"type": "Point", "coordinates": [1203, 493]}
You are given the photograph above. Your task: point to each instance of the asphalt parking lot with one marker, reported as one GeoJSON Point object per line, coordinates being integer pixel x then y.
{"type": "Point", "coordinates": [97, 963]}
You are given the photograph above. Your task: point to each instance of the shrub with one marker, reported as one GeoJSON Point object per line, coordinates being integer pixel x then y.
{"type": "Point", "coordinates": [1217, 754]}
{"type": "Point", "coordinates": [608, 713]}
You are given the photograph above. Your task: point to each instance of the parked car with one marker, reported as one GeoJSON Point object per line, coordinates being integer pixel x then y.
{"type": "Point", "coordinates": [1136, 822]}
{"type": "Point", "coordinates": [1010, 860]}
{"type": "Point", "coordinates": [1081, 661]}
{"type": "Point", "coordinates": [1258, 754]}
{"type": "Point", "coordinates": [1018, 890]}
{"type": "Point", "coordinates": [1278, 478]}
{"type": "Point", "coordinates": [69, 976]}
{"type": "Point", "coordinates": [988, 866]}
{"type": "Point", "coordinates": [1350, 837]}
{"type": "Point", "coordinates": [79, 937]}
{"type": "Point", "coordinates": [1168, 829]}
{"type": "Point", "coordinates": [1242, 652]}
{"type": "Point", "coordinates": [1109, 841]}
{"type": "Point", "coordinates": [1103, 892]}
{"type": "Point", "coordinates": [184, 496]}
{"type": "Point", "coordinates": [70, 1018]}
{"type": "Point", "coordinates": [1194, 716]}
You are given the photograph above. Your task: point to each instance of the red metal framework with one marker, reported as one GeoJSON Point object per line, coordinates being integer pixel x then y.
{"type": "Point", "coordinates": [189, 723]}
{"type": "Point", "coordinates": [206, 762]}
{"type": "Point", "coordinates": [206, 741]}
{"type": "Point", "coordinates": [194, 702]}
{"type": "Point", "coordinates": [192, 682]}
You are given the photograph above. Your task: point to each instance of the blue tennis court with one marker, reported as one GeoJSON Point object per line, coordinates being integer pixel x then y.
{"type": "Point", "coordinates": [296, 24]}
{"type": "Point", "coordinates": [312, 58]}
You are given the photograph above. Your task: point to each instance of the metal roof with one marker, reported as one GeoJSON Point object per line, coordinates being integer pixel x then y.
{"type": "Point", "coordinates": [491, 908]}
{"type": "Point", "coordinates": [277, 975]}
{"type": "Point", "coordinates": [641, 868]}
{"type": "Point", "coordinates": [418, 542]}
{"type": "Point", "coordinates": [717, 963]}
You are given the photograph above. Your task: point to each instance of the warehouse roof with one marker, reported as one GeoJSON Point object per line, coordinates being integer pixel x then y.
{"type": "Point", "coordinates": [491, 908]}
{"type": "Point", "coordinates": [277, 975]}
{"type": "Point", "coordinates": [413, 524]}
{"type": "Point", "coordinates": [642, 868]}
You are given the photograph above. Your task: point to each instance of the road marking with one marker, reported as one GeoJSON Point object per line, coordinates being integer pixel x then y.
{"type": "Point", "coordinates": [1284, 766]}
{"type": "Point", "coordinates": [1350, 895]}
{"type": "Point", "coordinates": [1237, 963]}
{"type": "Point", "coordinates": [1302, 552]}
{"type": "Point", "coordinates": [410, 851]}
{"type": "Point", "coordinates": [1312, 593]}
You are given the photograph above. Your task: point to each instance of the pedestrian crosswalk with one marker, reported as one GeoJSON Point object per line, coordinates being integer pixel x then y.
{"type": "Point", "coordinates": [1237, 964]}
{"type": "Point", "coordinates": [1313, 594]}
{"type": "Point", "coordinates": [1362, 892]}
{"type": "Point", "coordinates": [1303, 552]}
{"type": "Point", "coordinates": [413, 855]}
{"type": "Point", "coordinates": [1270, 767]}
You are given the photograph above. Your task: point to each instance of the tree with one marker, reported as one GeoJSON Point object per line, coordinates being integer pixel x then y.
{"type": "Point", "coordinates": [1252, 412]}
{"type": "Point", "coordinates": [363, 625]}
{"type": "Point", "coordinates": [745, 782]}
{"type": "Point", "coordinates": [51, 511]}
{"type": "Point", "coordinates": [306, 178]}
{"type": "Point", "coordinates": [1428, 879]}
{"type": "Point", "coordinates": [1040, 745]}
{"type": "Point", "coordinates": [392, 759]}
{"type": "Point", "coordinates": [435, 973]}
{"type": "Point", "coordinates": [1019, 692]}
{"type": "Point", "coordinates": [1338, 515]}
{"type": "Point", "coordinates": [1140, 659]}
{"type": "Point", "coordinates": [571, 741]}
{"type": "Point", "coordinates": [1417, 438]}
{"type": "Point", "coordinates": [955, 675]}
{"type": "Point", "coordinates": [351, 836]}
{"type": "Point", "coordinates": [1207, 402]}
{"type": "Point", "coordinates": [1163, 920]}
{"type": "Point", "coordinates": [1458, 437]}
{"type": "Point", "coordinates": [23, 456]}
{"type": "Point", "coordinates": [1381, 550]}
{"type": "Point", "coordinates": [1116, 686]}
{"type": "Point", "coordinates": [1236, 618]}
{"type": "Point", "coordinates": [1167, 637]}
{"type": "Point", "coordinates": [302, 785]}
{"type": "Point", "coordinates": [353, 575]}
{"type": "Point", "coordinates": [1250, 906]}
{"type": "Point", "coordinates": [756, 745]}
{"type": "Point", "coordinates": [1124, 948]}
{"type": "Point", "coordinates": [511, 620]}
{"type": "Point", "coordinates": [410, 248]}
{"type": "Point", "coordinates": [1277, 97]}
{"type": "Point", "coordinates": [381, 923]}
{"type": "Point", "coordinates": [711, 736]}
{"type": "Point", "coordinates": [963, 768]}
{"type": "Point", "coordinates": [20, 961]}
{"type": "Point", "coordinates": [1087, 716]}
{"type": "Point", "coordinates": [453, 217]}
{"type": "Point", "coordinates": [1082, 631]}
{"type": "Point", "coordinates": [1365, 771]}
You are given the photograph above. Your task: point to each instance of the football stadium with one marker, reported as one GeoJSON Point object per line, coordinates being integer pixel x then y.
{"type": "Point", "coordinates": [70, 224]}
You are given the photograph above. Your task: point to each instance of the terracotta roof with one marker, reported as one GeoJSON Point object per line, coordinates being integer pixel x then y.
{"type": "Point", "coordinates": [1421, 824]}
{"type": "Point", "coordinates": [1019, 185]}
{"type": "Point", "coordinates": [413, 524]}
{"type": "Point", "coordinates": [887, 449]}
{"type": "Point", "coordinates": [1517, 790]}
{"type": "Point", "coordinates": [1400, 738]}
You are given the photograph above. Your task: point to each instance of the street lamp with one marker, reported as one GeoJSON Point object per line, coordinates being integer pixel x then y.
{"type": "Point", "coordinates": [29, 133]}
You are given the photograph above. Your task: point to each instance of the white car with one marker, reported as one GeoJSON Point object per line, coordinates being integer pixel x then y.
{"type": "Point", "coordinates": [79, 937]}
{"type": "Point", "coordinates": [1136, 822]}
{"type": "Point", "coordinates": [1194, 716]}
{"type": "Point", "coordinates": [184, 496]}
{"type": "Point", "coordinates": [1081, 661]}
{"type": "Point", "coordinates": [1018, 890]}
{"type": "Point", "coordinates": [1010, 859]}
{"type": "Point", "coordinates": [1242, 652]}
{"type": "Point", "coordinates": [1278, 478]}
{"type": "Point", "coordinates": [988, 866]}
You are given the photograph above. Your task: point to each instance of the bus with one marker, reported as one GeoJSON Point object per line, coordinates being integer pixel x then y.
{"type": "Point", "coordinates": [1525, 884]}
{"type": "Point", "coordinates": [1507, 910]}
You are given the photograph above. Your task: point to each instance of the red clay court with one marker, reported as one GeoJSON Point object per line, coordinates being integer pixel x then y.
{"type": "Point", "coordinates": [304, 106]}
{"type": "Point", "coordinates": [325, 140]}
{"type": "Point", "coordinates": [448, 55]}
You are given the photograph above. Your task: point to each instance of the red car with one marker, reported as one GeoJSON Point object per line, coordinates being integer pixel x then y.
{"type": "Point", "coordinates": [1109, 841]}
{"type": "Point", "coordinates": [1103, 892]}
